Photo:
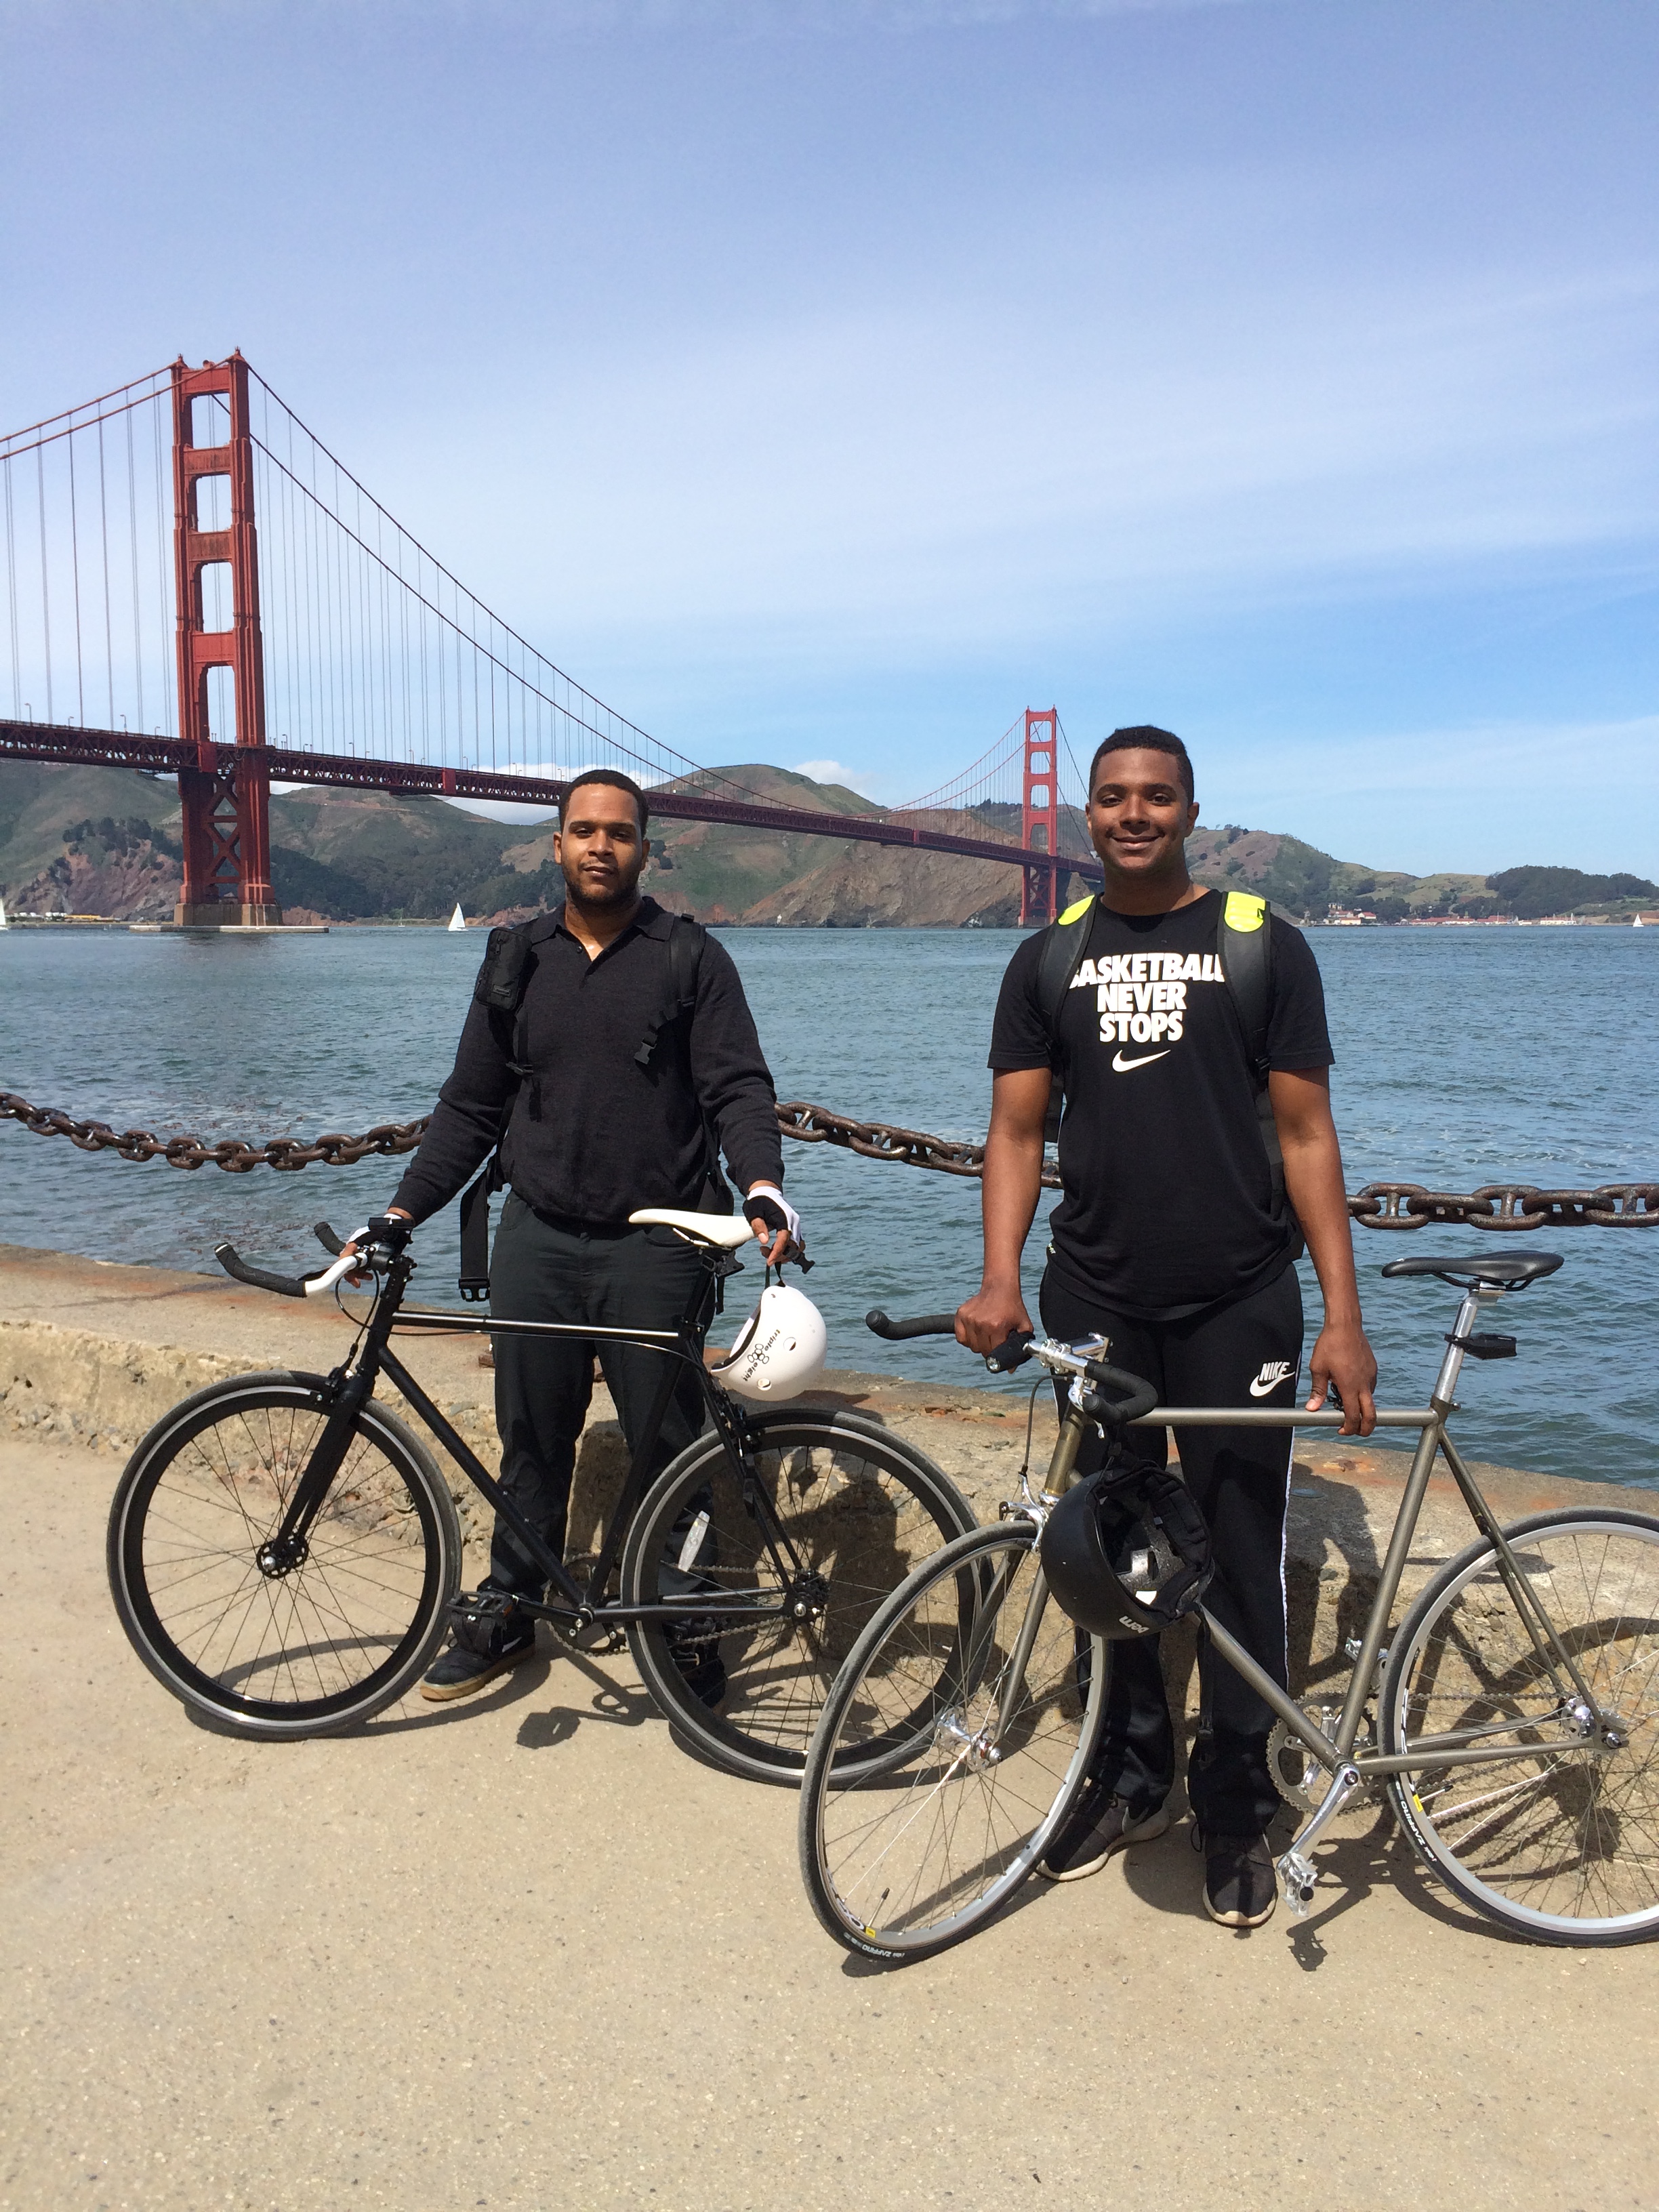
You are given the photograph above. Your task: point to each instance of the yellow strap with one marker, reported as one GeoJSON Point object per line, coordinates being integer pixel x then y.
{"type": "Point", "coordinates": [1076, 913]}
{"type": "Point", "coordinates": [1244, 912]}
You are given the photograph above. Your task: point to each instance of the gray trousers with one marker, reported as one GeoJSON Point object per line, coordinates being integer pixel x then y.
{"type": "Point", "coordinates": [608, 1278]}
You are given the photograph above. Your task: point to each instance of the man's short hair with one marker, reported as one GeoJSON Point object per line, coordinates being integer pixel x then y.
{"type": "Point", "coordinates": [1145, 736]}
{"type": "Point", "coordinates": [617, 782]}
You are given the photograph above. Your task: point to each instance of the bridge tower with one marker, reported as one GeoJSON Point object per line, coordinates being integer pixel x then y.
{"type": "Point", "coordinates": [226, 834]}
{"type": "Point", "coordinates": [1039, 821]}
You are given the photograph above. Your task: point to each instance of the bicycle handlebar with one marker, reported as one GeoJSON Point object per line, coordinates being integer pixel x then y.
{"type": "Point", "coordinates": [923, 1325]}
{"type": "Point", "coordinates": [1131, 1397]}
{"type": "Point", "coordinates": [285, 1287]}
{"type": "Point", "coordinates": [1011, 1353]}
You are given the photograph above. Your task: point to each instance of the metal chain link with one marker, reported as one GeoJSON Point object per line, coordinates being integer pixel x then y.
{"type": "Point", "coordinates": [1495, 1205]}
{"type": "Point", "coordinates": [234, 1154]}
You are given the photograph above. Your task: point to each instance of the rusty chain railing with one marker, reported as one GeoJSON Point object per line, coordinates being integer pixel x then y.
{"type": "Point", "coordinates": [1378, 1206]}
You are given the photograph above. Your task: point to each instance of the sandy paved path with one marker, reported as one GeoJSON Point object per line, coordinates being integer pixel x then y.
{"type": "Point", "coordinates": [526, 1953]}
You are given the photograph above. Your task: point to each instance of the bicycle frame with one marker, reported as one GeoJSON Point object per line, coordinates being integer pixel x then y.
{"type": "Point", "coordinates": [1348, 1767]}
{"type": "Point", "coordinates": [353, 1385]}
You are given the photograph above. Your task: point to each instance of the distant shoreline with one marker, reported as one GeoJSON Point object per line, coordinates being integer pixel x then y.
{"type": "Point", "coordinates": [98, 922]}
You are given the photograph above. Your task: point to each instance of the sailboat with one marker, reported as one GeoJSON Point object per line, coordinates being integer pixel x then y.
{"type": "Point", "coordinates": [458, 919]}
{"type": "Point", "coordinates": [4, 924]}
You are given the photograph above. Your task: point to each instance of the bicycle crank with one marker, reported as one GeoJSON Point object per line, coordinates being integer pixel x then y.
{"type": "Point", "coordinates": [1298, 1875]}
{"type": "Point", "coordinates": [1298, 1776]}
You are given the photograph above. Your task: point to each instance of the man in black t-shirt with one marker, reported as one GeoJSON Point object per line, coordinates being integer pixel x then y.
{"type": "Point", "coordinates": [1173, 1240]}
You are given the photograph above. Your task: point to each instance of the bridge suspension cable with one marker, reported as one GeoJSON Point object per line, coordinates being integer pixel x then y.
{"type": "Point", "coordinates": [373, 649]}
{"type": "Point", "coordinates": [88, 521]}
{"type": "Point", "coordinates": [187, 559]}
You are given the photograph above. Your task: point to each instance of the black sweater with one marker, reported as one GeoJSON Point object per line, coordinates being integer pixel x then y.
{"type": "Point", "coordinates": [592, 1135]}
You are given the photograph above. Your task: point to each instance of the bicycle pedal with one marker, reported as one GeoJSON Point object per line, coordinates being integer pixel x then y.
{"type": "Point", "coordinates": [1297, 1881]}
{"type": "Point", "coordinates": [484, 1605]}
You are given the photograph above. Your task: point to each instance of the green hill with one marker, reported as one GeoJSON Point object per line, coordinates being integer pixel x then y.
{"type": "Point", "coordinates": [106, 841]}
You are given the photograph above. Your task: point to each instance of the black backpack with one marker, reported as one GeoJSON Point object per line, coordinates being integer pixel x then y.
{"type": "Point", "coordinates": [1244, 946]}
{"type": "Point", "coordinates": [503, 979]}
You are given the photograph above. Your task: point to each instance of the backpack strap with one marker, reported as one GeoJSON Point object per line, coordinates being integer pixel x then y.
{"type": "Point", "coordinates": [686, 938]}
{"type": "Point", "coordinates": [503, 978]}
{"type": "Point", "coordinates": [1064, 942]}
{"type": "Point", "coordinates": [1244, 946]}
{"type": "Point", "coordinates": [505, 974]}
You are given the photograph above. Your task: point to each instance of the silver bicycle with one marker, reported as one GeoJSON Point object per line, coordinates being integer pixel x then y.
{"type": "Point", "coordinates": [1513, 1716]}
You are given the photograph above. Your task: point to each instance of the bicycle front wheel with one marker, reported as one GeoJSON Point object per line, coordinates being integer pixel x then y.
{"type": "Point", "coordinates": [1000, 1701]}
{"type": "Point", "coordinates": [833, 1511]}
{"type": "Point", "coordinates": [340, 1633]}
{"type": "Point", "coordinates": [1560, 1843]}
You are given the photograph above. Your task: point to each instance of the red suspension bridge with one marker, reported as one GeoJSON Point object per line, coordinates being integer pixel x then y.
{"type": "Point", "coordinates": [196, 585]}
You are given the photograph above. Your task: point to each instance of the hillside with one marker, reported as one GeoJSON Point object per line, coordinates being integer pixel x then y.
{"type": "Point", "coordinates": [106, 841]}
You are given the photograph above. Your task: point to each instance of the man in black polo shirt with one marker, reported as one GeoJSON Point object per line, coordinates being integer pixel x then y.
{"type": "Point", "coordinates": [592, 1130]}
{"type": "Point", "coordinates": [1171, 1241]}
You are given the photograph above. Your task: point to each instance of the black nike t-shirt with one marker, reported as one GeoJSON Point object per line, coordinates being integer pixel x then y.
{"type": "Point", "coordinates": [1168, 1205]}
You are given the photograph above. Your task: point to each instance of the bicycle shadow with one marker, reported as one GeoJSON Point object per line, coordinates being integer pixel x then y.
{"type": "Point", "coordinates": [616, 1704]}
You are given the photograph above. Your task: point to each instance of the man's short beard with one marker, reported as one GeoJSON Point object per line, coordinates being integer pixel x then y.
{"type": "Point", "coordinates": [624, 892]}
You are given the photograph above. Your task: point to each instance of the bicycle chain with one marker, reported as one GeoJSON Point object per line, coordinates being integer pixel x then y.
{"type": "Point", "coordinates": [1405, 1205]}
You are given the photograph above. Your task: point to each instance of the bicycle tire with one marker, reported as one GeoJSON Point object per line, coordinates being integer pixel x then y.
{"type": "Point", "coordinates": [341, 1635]}
{"type": "Point", "coordinates": [1566, 1850]}
{"type": "Point", "coordinates": [958, 1826]}
{"type": "Point", "coordinates": [859, 1506]}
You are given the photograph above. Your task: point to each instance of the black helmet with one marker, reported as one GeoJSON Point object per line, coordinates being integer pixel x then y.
{"type": "Point", "coordinates": [1127, 1552]}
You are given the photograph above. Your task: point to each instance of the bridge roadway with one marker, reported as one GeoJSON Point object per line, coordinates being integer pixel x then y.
{"type": "Point", "coordinates": [69, 744]}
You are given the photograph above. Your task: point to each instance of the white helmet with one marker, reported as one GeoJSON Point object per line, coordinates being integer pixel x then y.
{"type": "Point", "coordinates": [780, 1348]}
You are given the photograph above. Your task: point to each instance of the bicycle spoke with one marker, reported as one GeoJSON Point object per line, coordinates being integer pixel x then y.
{"type": "Point", "coordinates": [1563, 1841]}
{"type": "Point", "coordinates": [914, 1855]}
{"type": "Point", "coordinates": [314, 1633]}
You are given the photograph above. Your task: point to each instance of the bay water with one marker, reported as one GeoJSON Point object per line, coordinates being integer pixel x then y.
{"type": "Point", "coordinates": [1463, 1057]}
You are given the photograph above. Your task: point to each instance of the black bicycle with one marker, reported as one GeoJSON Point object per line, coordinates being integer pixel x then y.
{"type": "Point", "coordinates": [286, 1556]}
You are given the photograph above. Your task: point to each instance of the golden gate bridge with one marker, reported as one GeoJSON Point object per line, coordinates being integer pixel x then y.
{"type": "Point", "coordinates": [196, 585]}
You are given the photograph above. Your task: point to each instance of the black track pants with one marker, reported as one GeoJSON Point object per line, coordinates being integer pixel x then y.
{"type": "Point", "coordinates": [608, 1278]}
{"type": "Point", "coordinates": [1247, 1354]}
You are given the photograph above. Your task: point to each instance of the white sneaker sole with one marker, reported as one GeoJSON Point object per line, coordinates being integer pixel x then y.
{"type": "Point", "coordinates": [443, 1693]}
{"type": "Point", "coordinates": [1143, 1831]}
{"type": "Point", "coordinates": [1237, 1919]}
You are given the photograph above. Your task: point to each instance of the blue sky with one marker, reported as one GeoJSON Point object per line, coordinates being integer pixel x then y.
{"type": "Point", "coordinates": [825, 383]}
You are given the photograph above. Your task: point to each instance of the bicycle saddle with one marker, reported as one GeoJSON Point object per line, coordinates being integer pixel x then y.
{"type": "Point", "coordinates": [1505, 1271]}
{"type": "Point", "coordinates": [727, 1230]}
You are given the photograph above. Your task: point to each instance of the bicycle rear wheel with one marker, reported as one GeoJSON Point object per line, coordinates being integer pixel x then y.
{"type": "Point", "coordinates": [909, 1859]}
{"type": "Point", "coordinates": [853, 1505]}
{"type": "Point", "coordinates": [343, 1631]}
{"type": "Point", "coordinates": [1561, 1844]}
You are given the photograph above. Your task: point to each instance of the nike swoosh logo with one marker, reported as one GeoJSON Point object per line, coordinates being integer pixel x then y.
{"type": "Point", "coordinates": [1261, 1389]}
{"type": "Point", "coordinates": [1122, 1066]}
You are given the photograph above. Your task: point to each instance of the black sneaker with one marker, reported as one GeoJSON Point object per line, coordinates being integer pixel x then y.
{"type": "Point", "coordinates": [1241, 1885]}
{"type": "Point", "coordinates": [462, 1669]}
{"type": "Point", "coordinates": [1101, 1824]}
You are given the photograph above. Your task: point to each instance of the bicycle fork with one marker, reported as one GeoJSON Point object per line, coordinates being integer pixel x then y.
{"type": "Point", "coordinates": [1012, 1685]}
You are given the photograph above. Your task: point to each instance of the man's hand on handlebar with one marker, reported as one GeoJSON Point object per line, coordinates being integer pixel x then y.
{"type": "Point", "coordinates": [989, 1318]}
{"type": "Point", "coordinates": [391, 1213]}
